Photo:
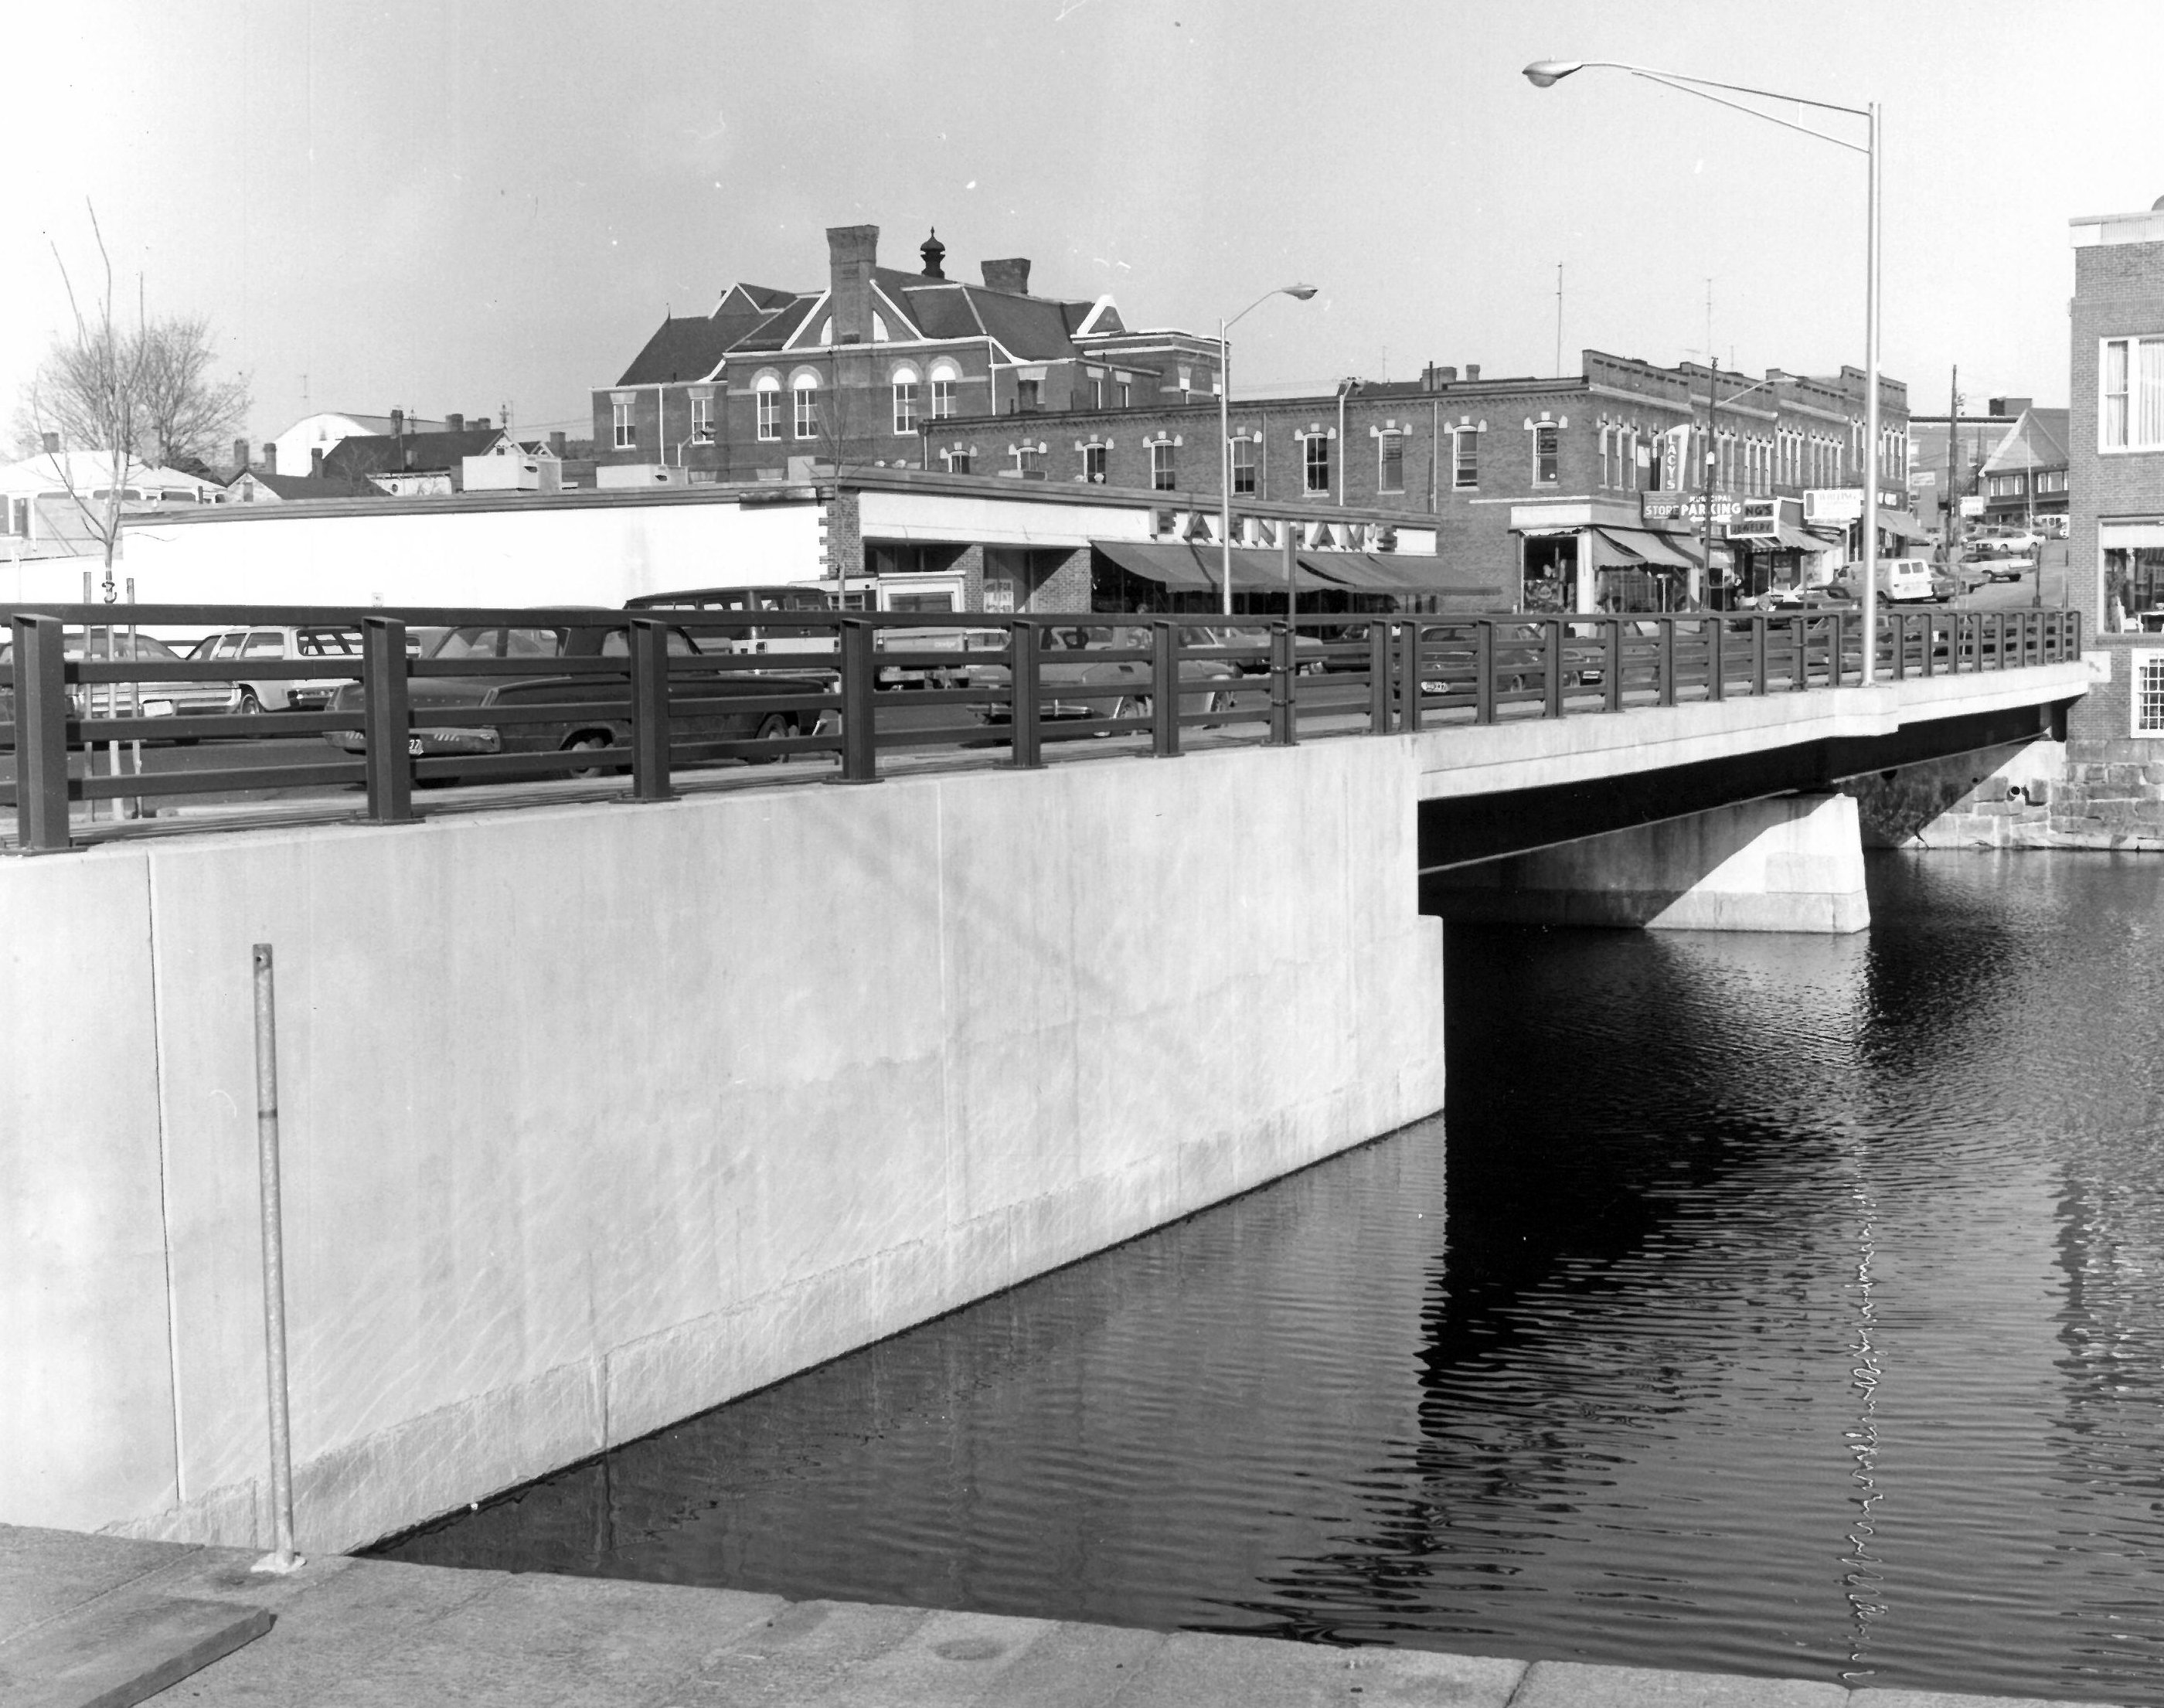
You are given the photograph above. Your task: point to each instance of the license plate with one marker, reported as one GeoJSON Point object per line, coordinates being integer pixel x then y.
{"type": "Point", "coordinates": [413, 745]}
{"type": "Point", "coordinates": [157, 708]}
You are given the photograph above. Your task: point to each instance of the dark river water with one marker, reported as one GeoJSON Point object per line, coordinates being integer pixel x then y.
{"type": "Point", "coordinates": [1778, 1305]}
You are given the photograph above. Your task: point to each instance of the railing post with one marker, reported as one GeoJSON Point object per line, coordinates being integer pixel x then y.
{"type": "Point", "coordinates": [1409, 676]}
{"type": "Point", "coordinates": [1837, 650]}
{"type": "Point", "coordinates": [649, 710]}
{"type": "Point", "coordinates": [1715, 626]}
{"type": "Point", "coordinates": [859, 687]}
{"type": "Point", "coordinates": [1998, 641]}
{"type": "Point", "coordinates": [1554, 629]}
{"type": "Point", "coordinates": [1484, 672]}
{"type": "Point", "coordinates": [1611, 662]}
{"type": "Point", "coordinates": [1799, 660]}
{"type": "Point", "coordinates": [1758, 653]}
{"type": "Point", "coordinates": [1164, 700]}
{"type": "Point", "coordinates": [1285, 663]}
{"type": "Point", "coordinates": [386, 720]}
{"type": "Point", "coordinates": [41, 749]}
{"type": "Point", "coordinates": [1378, 678]}
{"type": "Point", "coordinates": [1027, 699]}
{"type": "Point", "coordinates": [1668, 662]}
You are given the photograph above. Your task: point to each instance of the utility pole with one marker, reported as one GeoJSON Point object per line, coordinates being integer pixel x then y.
{"type": "Point", "coordinates": [1558, 361]}
{"type": "Point", "coordinates": [1953, 452]}
{"type": "Point", "coordinates": [1712, 440]}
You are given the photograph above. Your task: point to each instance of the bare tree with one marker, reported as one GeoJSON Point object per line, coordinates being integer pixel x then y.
{"type": "Point", "coordinates": [186, 410]}
{"type": "Point", "coordinates": [136, 398]}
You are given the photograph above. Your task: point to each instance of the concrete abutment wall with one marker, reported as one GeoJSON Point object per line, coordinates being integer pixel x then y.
{"type": "Point", "coordinates": [597, 1115]}
{"type": "Point", "coordinates": [1789, 863]}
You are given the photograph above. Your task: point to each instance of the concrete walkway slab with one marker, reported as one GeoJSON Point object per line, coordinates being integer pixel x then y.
{"type": "Point", "coordinates": [122, 1649]}
{"type": "Point", "coordinates": [1576, 1684]}
{"type": "Point", "coordinates": [353, 1633]}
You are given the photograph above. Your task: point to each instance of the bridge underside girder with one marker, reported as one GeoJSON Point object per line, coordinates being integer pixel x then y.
{"type": "Point", "coordinates": [1464, 830]}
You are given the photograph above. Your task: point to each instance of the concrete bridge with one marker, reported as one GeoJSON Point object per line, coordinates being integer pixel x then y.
{"type": "Point", "coordinates": [596, 1115]}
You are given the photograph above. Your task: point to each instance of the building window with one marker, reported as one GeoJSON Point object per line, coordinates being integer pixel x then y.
{"type": "Point", "coordinates": [958, 461]}
{"type": "Point", "coordinates": [943, 376]}
{"type": "Point", "coordinates": [1162, 477]}
{"type": "Point", "coordinates": [806, 390]}
{"type": "Point", "coordinates": [769, 408]}
{"type": "Point", "coordinates": [1546, 442]}
{"type": "Point", "coordinates": [1093, 462]}
{"type": "Point", "coordinates": [1390, 469]}
{"type": "Point", "coordinates": [1244, 465]}
{"type": "Point", "coordinates": [2050, 481]}
{"type": "Point", "coordinates": [1026, 394]}
{"type": "Point", "coordinates": [905, 402]}
{"type": "Point", "coordinates": [1314, 460]}
{"type": "Point", "coordinates": [1028, 459]}
{"type": "Point", "coordinates": [1186, 379]}
{"type": "Point", "coordinates": [1126, 392]}
{"type": "Point", "coordinates": [1096, 391]}
{"type": "Point", "coordinates": [626, 431]}
{"type": "Point", "coordinates": [2148, 694]}
{"type": "Point", "coordinates": [2133, 394]}
{"type": "Point", "coordinates": [702, 417]}
{"type": "Point", "coordinates": [1465, 459]}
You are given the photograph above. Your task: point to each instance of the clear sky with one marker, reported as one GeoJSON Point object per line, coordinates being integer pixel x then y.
{"type": "Point", "coordinates": [452, 206]}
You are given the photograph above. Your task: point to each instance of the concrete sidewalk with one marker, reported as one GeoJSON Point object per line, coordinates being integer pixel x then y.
{"type": "Point", "coordinates": [353, 1633]}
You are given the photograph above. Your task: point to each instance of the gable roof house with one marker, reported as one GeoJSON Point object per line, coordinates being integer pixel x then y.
{"type": "Point", "coordinates": [775, 383]}
{"type": "Point", "coordinates": [411, 465]}
{"type": "Point", "coordinates": [2025, 478]}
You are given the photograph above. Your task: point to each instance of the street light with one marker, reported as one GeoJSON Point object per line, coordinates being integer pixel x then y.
{"type": "Point", "coordinates": [1300, 293]}
{"type": "Point", "coordinates": [1546, 74]}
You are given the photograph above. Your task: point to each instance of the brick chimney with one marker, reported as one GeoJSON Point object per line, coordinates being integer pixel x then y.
{"type": "Point", "coordinates": [1011, 275]}
{"type": "Point", "coordinates": [556, 442]}
{"type": "Point", "coordinates": [852, 252]}
{"type": "Point", "coordinates": [1472, 371]}
{"type": "Point", "coordinates": [455, 423]}
{"type": "Point", "coordinates": [1442, 376]}
{"type": "Point", "coordinates": [480, 423]}
{"type": "Point", "coordinates": [270, 456]}
{"type": "Point", "coordinates": [239, 454]}
{"type": "Point", "coordinates": [316, 460]}
{"type": "Point", "coordinates": [397, 422]}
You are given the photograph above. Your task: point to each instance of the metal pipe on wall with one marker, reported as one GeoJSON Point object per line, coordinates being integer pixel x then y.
{"type": "Point", "coordinates": [281, 1557]}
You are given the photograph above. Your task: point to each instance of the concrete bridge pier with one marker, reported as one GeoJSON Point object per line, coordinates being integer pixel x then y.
{"type": "Point", "coordinates": [1789, 863]}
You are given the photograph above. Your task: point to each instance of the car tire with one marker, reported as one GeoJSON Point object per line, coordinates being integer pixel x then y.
{"type": "Point", "coordinates": [1132, 706]}
{"type": "Point", "coordinates": [775, 726]}
{"type": "Point", "coordinates": [589, 742]}
{"type": "Point", "coordinates": [249, 705]}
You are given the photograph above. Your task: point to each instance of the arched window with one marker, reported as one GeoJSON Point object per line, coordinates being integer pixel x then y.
{"type": "Point", "coordinates": [905, 399]}
{"type": "Point", "coordinates": [804, 388]}
{"type": "Point", "coordinates": [945, 375]}
{"type": "Point", "coordinates": [767, 388]}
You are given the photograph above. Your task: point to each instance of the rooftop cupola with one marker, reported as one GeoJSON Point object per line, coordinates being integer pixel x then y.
{"type": "Point", "coordinates": [933, 252]}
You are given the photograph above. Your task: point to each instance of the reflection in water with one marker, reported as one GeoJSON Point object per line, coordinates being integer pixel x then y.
{"type": "Point", "coordinates": [1795, 1308]}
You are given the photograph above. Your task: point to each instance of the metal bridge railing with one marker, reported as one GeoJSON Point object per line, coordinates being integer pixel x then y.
{"type": "Point", "coordinates": [645, 696]}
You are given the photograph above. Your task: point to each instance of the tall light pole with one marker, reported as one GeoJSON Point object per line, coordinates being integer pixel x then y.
{"type": "Point", "coordinates": [1299, 293]}
{"type": "Point", "coordinates": [1544, 74]}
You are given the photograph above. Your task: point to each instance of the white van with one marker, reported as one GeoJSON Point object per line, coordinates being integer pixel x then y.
{"type": "Point", "coordinates": [1905, 581]}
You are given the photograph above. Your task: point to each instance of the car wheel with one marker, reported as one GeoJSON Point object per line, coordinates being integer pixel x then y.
{"type": "Point", "coordinates": [775, 726]}
{"type": "Point", "coordinates": [586, 744]}
{"type": "Point", "coordinates": [1132, 706]}
{"type": "Point", "coordinates": [249, 705]}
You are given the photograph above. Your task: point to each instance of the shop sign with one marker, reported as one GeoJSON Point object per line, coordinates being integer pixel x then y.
{"type": "Point", "coordinates": [1760, 519]}
{"type": "Point", "coordinates": [1843, 504]}
{"type": "Point", "coordinates": [1972, 507]}
{"type": "Point", "coordinates": [1687, 507]}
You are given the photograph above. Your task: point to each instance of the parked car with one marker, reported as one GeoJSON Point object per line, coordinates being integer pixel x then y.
{"type": "Point", "coordinates": [248, 647]}
{"type": "Point", "coordinates": [159, 699]}
{"type": "Point", "coordinates": [1115, 687]}
{"type": "Point", "coordinates": [595, 710]}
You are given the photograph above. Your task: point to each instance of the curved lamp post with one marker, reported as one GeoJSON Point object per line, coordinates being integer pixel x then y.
{"type": "Point", "coordinates": [1299, 293]}
{"type": "Point", "coordinates": [1546, 74]}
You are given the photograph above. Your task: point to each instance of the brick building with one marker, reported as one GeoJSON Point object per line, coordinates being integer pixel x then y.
{"type": "Point", "coordinates": [1576, 492]}
{"type": "Point", "coordinates": [776, 384]}
{"type": "Point", "coordinates": [2113, 786]}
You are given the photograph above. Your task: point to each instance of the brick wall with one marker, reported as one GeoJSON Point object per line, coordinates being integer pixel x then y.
{"type": "Point", "coordinates": [2119, 290]}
